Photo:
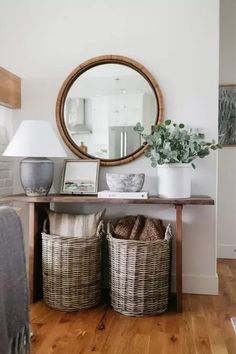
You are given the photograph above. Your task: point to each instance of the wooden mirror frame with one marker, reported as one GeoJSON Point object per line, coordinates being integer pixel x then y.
{"type": "Point", "coordinates": [105, 59]}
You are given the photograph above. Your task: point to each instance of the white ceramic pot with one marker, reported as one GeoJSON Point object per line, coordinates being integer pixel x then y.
{"type": "Point", "coordinates": [174, 180]}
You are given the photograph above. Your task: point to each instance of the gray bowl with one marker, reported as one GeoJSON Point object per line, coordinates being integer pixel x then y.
{"type": "Point", "coordinates": [125, 182]}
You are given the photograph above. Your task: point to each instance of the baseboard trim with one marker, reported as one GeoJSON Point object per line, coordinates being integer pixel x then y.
{"type": "Point", "coordinates": [198, 284]}
{"type": "Point", "coordinates": [226, 251]}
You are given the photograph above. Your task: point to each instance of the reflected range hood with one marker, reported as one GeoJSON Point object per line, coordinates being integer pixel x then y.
{"type": "Point", "coordinates": [76, 120]}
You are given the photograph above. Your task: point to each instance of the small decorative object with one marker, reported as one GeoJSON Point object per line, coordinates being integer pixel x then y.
{"type": "Point", "coordinates": [173, 148]}
{"type": "Point", "coordinates": [37, 139]}
{"type": "Point", "coordinates": [83, 147]}
{"type": "Point", "coordinates": [227, 115]}
{"type": "Point", "coordinates": [125, 182]}
{"type": "Point", "coordinates": [80, 177]}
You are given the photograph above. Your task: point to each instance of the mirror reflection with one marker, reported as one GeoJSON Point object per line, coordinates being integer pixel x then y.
{"type": "Point", "coordinates": [103, 105]}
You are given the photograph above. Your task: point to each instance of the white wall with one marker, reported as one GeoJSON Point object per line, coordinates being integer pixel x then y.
{"type": "Point", "coordinates": [227, 66]}
{"type": "Point", "coordinates": [227, 157]}
{"type": "Point", "coordinates": [176, 40]}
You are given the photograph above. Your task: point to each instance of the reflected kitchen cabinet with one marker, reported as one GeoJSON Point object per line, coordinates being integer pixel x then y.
{"type": "Point", "coordinates": [122, 141]}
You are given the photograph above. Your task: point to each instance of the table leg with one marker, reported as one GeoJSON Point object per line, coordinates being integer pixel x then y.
{"type": "Point", "coordinates": [179, 208]}
{"type": "Point", "coordinates": [37, 214]}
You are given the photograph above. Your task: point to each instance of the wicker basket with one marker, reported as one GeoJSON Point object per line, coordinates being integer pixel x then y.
{"type": "Point", "coordinates": [139, 275]}
{"type": "Point", "coordinates": [71, 272]}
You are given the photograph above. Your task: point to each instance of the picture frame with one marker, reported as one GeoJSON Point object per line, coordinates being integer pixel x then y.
{"type": "Point", "coordinates": [227, 115]}
{"type": "Point", "coordinates": [80, 177]}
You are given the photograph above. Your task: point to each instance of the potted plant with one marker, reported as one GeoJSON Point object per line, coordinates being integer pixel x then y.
{"type": "Point", "coordinates": [173, 148]}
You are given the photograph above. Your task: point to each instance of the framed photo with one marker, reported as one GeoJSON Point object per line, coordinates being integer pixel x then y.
{"type": "Point", "coordinates": [227, 115]}
{"type": "Point", "coordinates": [80, 177]}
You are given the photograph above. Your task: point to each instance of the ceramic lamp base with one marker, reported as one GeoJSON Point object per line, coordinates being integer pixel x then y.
{"type": "Point", "coordinates": [36, 175]}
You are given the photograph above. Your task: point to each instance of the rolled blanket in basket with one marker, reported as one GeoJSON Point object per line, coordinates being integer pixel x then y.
{"type": "Point", "coordinates": [14, 323]}
{"type": "Point", "coordinates": [152, 230]}
{"type": "Point", "coordinates": [69, 225]}
{"type": "Point", "coordinates": [139, 228]}
{"type": "Point", "coordinates": [126, 225]}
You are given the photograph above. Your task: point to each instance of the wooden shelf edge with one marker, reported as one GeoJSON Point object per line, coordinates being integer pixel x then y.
{"type": "Point", "coordinates": [62, 198]}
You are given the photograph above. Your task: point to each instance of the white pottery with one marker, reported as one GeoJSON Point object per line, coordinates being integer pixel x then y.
{"type": "Point", "coordinates": [174, 180]}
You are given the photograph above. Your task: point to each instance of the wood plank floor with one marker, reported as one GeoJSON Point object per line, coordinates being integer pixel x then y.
{"type": "Point", "coordinates": [204, 327]}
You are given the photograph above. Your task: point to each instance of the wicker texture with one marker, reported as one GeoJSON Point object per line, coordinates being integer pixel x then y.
{"type": "Point", "coordinates": [139, 275]}
{"type": "Point", "coordinates": [71, 272]}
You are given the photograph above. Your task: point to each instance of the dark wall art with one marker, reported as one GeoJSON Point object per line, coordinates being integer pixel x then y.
{"type": "Point", "coordinates": [227, 115]}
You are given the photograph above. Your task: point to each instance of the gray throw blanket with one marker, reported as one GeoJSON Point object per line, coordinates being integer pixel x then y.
{"type": "Point", "coordinates": [14, 323]}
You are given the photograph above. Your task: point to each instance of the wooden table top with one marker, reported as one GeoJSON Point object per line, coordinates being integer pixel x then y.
{"type": "Point", "coordinates": [62, 198]}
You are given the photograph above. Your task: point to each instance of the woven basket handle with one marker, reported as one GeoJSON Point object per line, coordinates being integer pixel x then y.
{"type": "Point", "coordinates": [100, 229]}
{"type": "Point", "coordinates": [45, 223]}
{"type": "Point", "coordinates": [110, 228]}
{"type": "Point", "coordinates": [168, 233]}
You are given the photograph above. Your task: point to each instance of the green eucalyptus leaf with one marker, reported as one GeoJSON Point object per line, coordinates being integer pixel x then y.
{"type": "Point", "coordinates": [145, 136]}
{"type": "Point", "coordinates": [181, 125]}
{"type": "Point", "coordinates": [156, 128]}
{"type": "Point", "coordinates": [203, 153]}
{"type": "Point", "coordinates": [147, 154]}
{"type": "Point", "coordinates": [149, 141]}
{"type": "Point", "coordinates": [138, 127]}
{"type": "Point", "coordinates": [167, 122]}
{"type": "Point", "coordinates": [156, 138]}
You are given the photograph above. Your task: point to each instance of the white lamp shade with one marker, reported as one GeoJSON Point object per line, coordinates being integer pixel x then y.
{"type": "Point", "coordinates": [35, 138]}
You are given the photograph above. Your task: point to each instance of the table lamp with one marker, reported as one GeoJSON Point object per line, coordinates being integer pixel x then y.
{"type": "Point", "coordinates": [35, 140]}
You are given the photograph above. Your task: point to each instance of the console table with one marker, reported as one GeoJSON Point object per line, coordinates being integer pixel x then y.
{"type": "Point", "coordinates": [37, 214]}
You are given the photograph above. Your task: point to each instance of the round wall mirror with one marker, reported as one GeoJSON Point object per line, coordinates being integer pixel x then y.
{"type": "Point", "coordinates": [100, 103]}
